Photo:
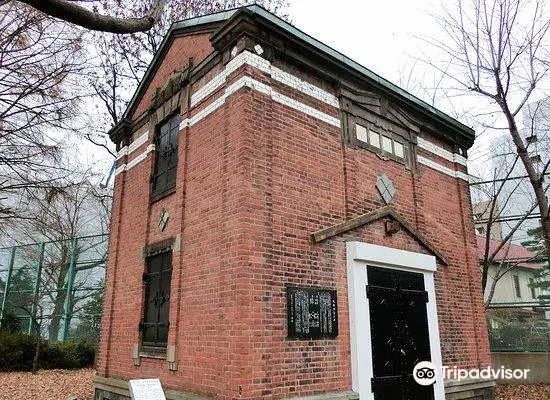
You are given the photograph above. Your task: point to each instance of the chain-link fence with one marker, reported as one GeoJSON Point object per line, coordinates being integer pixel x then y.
{"type": "Point", "coordinates": [520, 329]}
{"type": "Point", "coordinates": [54, 287]}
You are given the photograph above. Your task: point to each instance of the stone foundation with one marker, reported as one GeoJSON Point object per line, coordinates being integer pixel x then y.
{"type": "Point", "coordinates": [102, 394]}
{"type": "Point", "coordinates": [329, 396]}
{"type": "Point", "coordinates": [117, 389]}
{"type": "Point", "coordinates": [470, 390]}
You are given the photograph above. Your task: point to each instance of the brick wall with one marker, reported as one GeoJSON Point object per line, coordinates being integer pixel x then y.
{"type": "Point", "coordinates": [255, 179]}
{"type": "Point", "coordinates": [197, 46]}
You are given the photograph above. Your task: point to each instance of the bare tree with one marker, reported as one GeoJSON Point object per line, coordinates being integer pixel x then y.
{"type": "Point", "coordinates": [495, 208]}
{"type": "Point", "coordinates": [123, 59]}
{"type": "Point", "coordinates": [510, 204]}
{"type": "Point", "coordinates": [38, 62]}
{"type": "Point", "coordinates": [58, 217]}
{"type": "Point", "coordinates": [498, 49]}
{"type": "Point", "coordinates": [140, 47]}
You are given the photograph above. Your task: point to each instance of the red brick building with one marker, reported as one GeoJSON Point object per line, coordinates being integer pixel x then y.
{"type": "Point", "coordinates": [286, 224]}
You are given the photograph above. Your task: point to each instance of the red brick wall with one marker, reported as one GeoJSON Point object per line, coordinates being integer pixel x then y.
{"type": "Point", "coordinates": [255, 179]}
{"type": "Point", "coordinates": [197, 46]}
{"type": "Point", "coordinates": [303, 187]}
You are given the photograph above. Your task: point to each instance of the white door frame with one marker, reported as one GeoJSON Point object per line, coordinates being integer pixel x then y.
{"type": "Point", "coordinates": [359, 255]}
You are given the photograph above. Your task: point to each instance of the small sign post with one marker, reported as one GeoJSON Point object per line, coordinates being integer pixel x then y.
{"type": "Point", "coordinates": [146, 389]}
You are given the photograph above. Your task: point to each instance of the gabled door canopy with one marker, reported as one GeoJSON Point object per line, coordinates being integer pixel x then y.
{"type": "Point", "coordinates": [383, 212]}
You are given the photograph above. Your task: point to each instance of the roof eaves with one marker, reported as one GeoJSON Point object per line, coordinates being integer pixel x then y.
{"type": "Point", "coordinates": [358, 67]}
{"type": "Point", "coordinates": [176, 26]}
{"type": "Point", "coordinates": [255, 9]}
{"type": "Point", "coordinates": [205, 19]}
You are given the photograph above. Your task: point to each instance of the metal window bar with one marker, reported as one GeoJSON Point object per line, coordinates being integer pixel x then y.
{"type": "Point", "coordinates": [7, 285]}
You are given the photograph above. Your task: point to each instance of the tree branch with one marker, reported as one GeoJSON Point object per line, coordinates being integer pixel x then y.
{"type": "Point", "coordinates": [76, 14]}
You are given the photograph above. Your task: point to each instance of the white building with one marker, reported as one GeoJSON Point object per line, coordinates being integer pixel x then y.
{"type": "Point", "coordinates": [516, 288]}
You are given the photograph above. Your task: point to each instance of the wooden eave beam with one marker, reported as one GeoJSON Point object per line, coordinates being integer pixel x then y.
{"type": "Point", "coordinates": [365, 219]}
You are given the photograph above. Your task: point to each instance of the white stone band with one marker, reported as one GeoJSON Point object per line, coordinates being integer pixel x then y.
{"type": "Point", "coordinates": [277, 74]}
{"type": "Point", "coordinates": [127, 150]}
{"type": "Point", "coordinates": [248, 58]}
{"type": "Point", "coordinates": [438, 167]}
{"type": "Point", "coordinates": [441, 152]}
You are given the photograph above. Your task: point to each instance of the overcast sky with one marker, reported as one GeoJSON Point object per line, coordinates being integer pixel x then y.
{"type": "Point", "coordinates": [384, 36]}
{"type": "Point", "coordinates": [381, 35]}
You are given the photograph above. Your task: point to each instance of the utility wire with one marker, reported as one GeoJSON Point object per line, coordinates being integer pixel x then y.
{"type": "Point", "coordinates": [502, 180]}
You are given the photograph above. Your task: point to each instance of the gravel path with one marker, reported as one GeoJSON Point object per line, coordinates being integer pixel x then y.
{"type": "Point", "coordinates": [53, 384]}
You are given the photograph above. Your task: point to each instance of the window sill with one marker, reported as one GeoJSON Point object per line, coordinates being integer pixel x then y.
{"type": "Point", "coordinates": [153, 352]}
{"type": "Point", "coordinates": [384, 155]}
{"type": "Point", "coordinates": [158, 196]}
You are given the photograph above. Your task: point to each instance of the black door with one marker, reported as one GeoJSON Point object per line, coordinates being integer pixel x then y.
{"type": "Point", "coordinates": [399, 333]}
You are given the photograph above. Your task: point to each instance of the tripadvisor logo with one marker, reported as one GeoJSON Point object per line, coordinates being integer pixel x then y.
{"type": "Point", "coordinates": [426, 373]}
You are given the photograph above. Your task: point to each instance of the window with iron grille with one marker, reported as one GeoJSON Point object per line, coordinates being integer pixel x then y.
{"type": "Point", "coordinates": [157, 300]}
{"type": "Point", "coordinates": [166, 157]}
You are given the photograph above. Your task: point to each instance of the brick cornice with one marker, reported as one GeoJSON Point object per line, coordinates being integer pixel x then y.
{"type": "Point", "coordinates": [121, 132]}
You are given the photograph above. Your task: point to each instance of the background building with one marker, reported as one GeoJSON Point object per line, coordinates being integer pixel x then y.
{"type": "Point", "coordinates": [482, 213]}
{"type": "Point", "coordinates": [515, 196]}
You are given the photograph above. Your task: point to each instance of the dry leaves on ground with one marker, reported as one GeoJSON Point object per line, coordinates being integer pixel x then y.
{"type": "Point", "coordinates": [61, 384]}
{"type": "Point", "coordinates": [523, 392]}
{"type": "Point", "coordinates": [53, 384]}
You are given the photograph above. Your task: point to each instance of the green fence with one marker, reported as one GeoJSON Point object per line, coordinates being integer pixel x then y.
{"type": "Point", "coordinates": [54, 287]}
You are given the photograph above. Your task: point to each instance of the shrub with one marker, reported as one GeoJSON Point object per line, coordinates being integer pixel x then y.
{"type": "Point", "coordinates": [10, 323]}
{"type": "Point", "coordinates": [17, 351]}
{"type": "Point", "coordinates": [68, 355]}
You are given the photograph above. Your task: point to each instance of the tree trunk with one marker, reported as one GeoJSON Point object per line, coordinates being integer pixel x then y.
{"type": "Point", "coordinates": [484, 274]}
{"type": "Point", "coordinates": [497, 277]}
{"type": "Point", "coordinates": [535, 178]}
{"type": "Point", "coordinates": [491, 293]}
{"type": "Point", "coordinates": [36, 351]}
{"type": "Point", "coordinates": [59, 303]}
{"type": "Point", "coordinates": [486, 259]}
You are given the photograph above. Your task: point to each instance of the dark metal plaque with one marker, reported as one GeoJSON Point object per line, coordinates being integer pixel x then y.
{"type": "Point", "coordinates": [312, 313]}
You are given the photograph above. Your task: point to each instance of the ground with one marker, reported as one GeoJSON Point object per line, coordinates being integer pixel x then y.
{"type": "Point", "coordinates": [523, 392]}
{"type": "Point", "coordinates": [60, 385]}
{"type": "Point", "coordinates": [47, 385]}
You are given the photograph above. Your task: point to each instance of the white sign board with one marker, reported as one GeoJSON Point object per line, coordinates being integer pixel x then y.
{"type": "Point", "coordinates": [146, 389]}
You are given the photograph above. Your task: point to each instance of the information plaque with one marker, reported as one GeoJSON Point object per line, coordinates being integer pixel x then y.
{"type": "Point", "coordinates": [146, 389]}
{"type": "Point", "coordinates": [312, 313]}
